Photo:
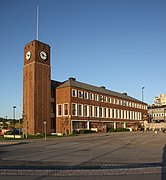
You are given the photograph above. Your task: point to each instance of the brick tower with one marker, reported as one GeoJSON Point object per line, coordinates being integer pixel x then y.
{"type": "Point", "coordinates": [36, 88]}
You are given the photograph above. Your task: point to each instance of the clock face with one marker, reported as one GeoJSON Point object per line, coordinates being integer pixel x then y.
{"type": "Point", "coordinates": [43, 55]}
{"type": "Point", "coordinates": [28, 55]}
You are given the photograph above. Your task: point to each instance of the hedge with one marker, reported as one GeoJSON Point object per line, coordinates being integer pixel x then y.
{"type": "Point", "coordinates": [118, 130]}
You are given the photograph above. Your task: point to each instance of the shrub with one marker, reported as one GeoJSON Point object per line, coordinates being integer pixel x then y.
{"type": "Point", "coordinates": [119, 130]}
{"type": "Point", "coordinates": [9, 133]}
{"type": "Point", "coordinates": [75, 132]}
{"type": "Point", "coordinates": [86, 131]}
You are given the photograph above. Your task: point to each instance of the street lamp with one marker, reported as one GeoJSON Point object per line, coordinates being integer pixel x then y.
{"type": "Point", "coordinates": [14, 113]}
{"type": "Point", "coordinates": [4, 123]}
{"type": "Point", "coordinates": [45, 124]}
{"type": "Point", "coordinates": [143, 94]}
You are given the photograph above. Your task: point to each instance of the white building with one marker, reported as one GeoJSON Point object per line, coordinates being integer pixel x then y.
{"type": "Point", "coordinates": [160, 100]}
{"type": "Point", "coordinates": [157, 113]}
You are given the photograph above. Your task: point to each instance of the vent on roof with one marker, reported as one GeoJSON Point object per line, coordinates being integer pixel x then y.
{"type": "Point", "coordinates": [102, 87]}
{"type": "Point", "coordinates": [72, 78]}
{"type": "Point", "coordinates": [125, 94]}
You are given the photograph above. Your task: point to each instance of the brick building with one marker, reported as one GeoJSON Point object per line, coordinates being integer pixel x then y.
{"type": "Point", "coordinates": [84, 106]}
{"type": "Point", "coordinates": [64, 107]}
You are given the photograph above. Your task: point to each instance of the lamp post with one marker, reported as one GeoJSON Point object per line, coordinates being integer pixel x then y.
{"type": "Point", "coordinates": [45, 124]}
{"type": "Point", "coordinates": [4, 124]}
{"type": "Point", "coordinates": [14, 113]}
{"type": "Point", "coordinates": [143, 94]}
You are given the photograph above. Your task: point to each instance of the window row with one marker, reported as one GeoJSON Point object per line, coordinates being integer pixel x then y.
{"type": "Point", "coordinates": [101, 98]}
{"type": "Point", "coordinates": [158, 114]}
{"type": "Point", "coordinates": [63, 109]}
{"type": "Point", "coordinates": [96, 112]}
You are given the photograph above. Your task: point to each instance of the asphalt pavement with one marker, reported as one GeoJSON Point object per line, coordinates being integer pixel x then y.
{"type": "Point", "coordinates": [125, 155]}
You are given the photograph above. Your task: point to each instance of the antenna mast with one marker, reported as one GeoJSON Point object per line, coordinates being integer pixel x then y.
{"type": "Point", "coordinates": [37, 23]}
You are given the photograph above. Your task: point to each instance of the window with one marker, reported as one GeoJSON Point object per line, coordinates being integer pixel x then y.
{"type": "Point", "coordinates": [105, 113]}
{"type": "Point", "coordinates": [96, 111]}
{"type": "Point", "coordinates": [59, 111]}
{"type": "Point", "coordinates": [65, 107]}
{"type": "Point", "coordinates": [100, 112]}
{"type": "Point", "coordinates": [80, 94]}
{"type": "Point", "coordinates": [124, 114]}
{"type": "Point", "coordinates": [113, 113]}
{"type": "Point", "coordinates": [136, 115]}
{"type": "Point", "coordinates": [80, 125]}
{"type": "Point", "coordinates": [91, 111]}
{"type": "Point", "coordinates": [109, 113]}
{"type": "Point", "coordinates": [124, 103]}
{"type": "Point", "coordinates": [109, 100]}
{"type": "Point", "coordinates": [101, 98]}
{"type": "Point", "coordinates": [105, 98]}
{"type": "Point", "coordinates": [85, 95]}
{"type": "Point", "coordinates": [96, 97]}
{"type": "Point", "coordinates": [128, 115]}
{"type": "Point", "coordinates": [131, 115]}
{"type": "Point", "coordinates": [74, 93]}
{"type": "Point", "coordinates": [112, 100]}
{"type": "Point", "coordinates": [74, 109]}
{"type": "Point", "coordinates": [85, 110]}
{"type": "Point", "coordinates": [80, 110]}
{"type": "Point", "coordinates": [119, 114]}
{"type": "Point", "coordinates": [91, 96]}
{"type": "Point", "coordinates": [116, 101]}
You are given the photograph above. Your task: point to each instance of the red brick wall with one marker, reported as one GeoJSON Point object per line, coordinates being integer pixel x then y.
{"type": "Point", "coordinates": [36, 88]}
{"type": "Point", "coordinates": [63, 95]}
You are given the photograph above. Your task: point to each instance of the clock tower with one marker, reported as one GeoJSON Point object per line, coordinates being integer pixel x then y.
{"type": "Point", "coordinates": [36, 88]}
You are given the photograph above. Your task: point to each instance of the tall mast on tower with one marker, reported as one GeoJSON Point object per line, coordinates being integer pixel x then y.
{"type": "Point", "coordinates": [37, 23]}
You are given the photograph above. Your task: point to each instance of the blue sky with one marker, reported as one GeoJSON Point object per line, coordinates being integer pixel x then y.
{"type": "Point", "coordinates": [120, 44]}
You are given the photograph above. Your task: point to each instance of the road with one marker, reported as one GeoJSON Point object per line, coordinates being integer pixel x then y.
{"type": "Point", "coordinates": [128, 155]}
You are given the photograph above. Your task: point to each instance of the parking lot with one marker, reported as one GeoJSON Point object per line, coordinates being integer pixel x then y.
{"type": "Point", "coordinates": [136, 152]}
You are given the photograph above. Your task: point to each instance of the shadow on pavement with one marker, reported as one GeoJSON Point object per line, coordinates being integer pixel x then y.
{"type": "Point", "coordinates": [36, 165]}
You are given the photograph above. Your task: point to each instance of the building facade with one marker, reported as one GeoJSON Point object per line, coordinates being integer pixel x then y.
{"type": "Point", "coordinates": [157, 113]}
{"type": "Point", "coordinates": [160, 100]}
{"type": "Point", "coordinates": [65, 107]}
{"type": "Point", "coordinates": [83, 106]}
